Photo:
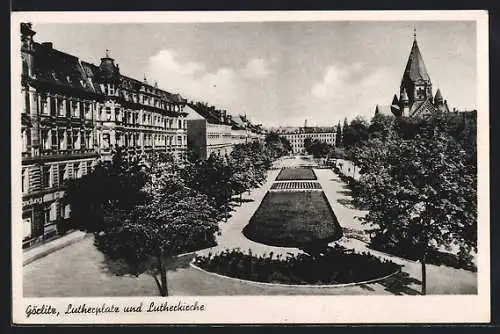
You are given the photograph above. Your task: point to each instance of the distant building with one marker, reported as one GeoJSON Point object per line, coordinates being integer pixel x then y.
{"type": "Point", "coordinates": [212, 131]}
{"type": "Point", "coordinates": [297, 136]}
{"type": "Point", "coordinates": [73, 113]}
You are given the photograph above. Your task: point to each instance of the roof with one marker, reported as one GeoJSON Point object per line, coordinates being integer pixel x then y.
{"type": "Point", "coordinates": [438, 96]}
{"type": "Point", "coordinates": [60, 69]}
{"type": "Point", "coordinates": [415, 68]}
{"type": "Point", "coordinates": [209, 113]}
{"type": "Point", "coordinates": [192, 114]}
{"type": "Point", "coordinates": [237, 122]}
{"type": "Point", "coordinates": [383, 109]}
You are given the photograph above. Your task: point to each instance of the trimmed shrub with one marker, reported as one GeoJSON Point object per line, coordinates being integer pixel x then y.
{"type": "Point", "coordinates": [303, 220]}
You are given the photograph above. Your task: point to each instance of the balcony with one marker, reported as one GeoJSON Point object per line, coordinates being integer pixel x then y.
{"type": "Point", "coordinates": [55, 154]}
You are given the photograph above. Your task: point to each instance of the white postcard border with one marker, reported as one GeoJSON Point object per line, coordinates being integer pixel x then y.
{"type": "Point", "coordinates": [269, 309]}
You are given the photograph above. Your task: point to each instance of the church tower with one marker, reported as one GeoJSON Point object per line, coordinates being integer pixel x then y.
{"type": "Point", "coordinates": [416, 83]}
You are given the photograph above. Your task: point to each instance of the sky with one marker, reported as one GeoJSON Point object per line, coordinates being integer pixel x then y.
{"type": "Point", "coordinates": [281, 73]}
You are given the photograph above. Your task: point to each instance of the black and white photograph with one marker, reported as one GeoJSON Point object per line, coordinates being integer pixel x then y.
{"type": "Point", "coordinates": [175, 168]}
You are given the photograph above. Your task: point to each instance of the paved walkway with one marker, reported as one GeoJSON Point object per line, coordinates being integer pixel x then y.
{"type": "Point", "coordinates": [79, 271]}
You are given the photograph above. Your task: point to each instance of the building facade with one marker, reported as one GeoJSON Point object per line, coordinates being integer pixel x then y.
{"type": "Point", "coordinates": [298, 136]}
{"type": "Point", "coordinates": [75, 113]}
{"type": "Point", "coordinates": [212, 131]}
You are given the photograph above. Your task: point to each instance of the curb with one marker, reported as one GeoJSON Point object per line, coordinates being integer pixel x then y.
{"type": "Point", "coordinates": [49, 250]}
{"type": "Point", "coordinates": [316, 286]}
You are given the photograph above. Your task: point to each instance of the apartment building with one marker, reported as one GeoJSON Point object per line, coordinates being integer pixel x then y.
{"type": "Point", "coordinates": [73, 114]}
{"type": "Point", "coordinates": [296, 137]}
{"type": "Point", "coordinates": [213, 131]}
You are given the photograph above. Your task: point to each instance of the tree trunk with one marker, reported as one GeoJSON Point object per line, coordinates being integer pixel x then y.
{"type": "Point", "coordinates": [163, 276]}
{"type": "Point", "coordinates": [162, 283]}
{"type": "Point", "coordinates": [424, 276]}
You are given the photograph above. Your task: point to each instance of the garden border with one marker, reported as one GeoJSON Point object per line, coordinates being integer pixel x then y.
{"type": "Point", "coordinates": [317, 286]}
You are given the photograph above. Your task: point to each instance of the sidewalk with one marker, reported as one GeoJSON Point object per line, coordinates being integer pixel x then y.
{"type": "Point", "coordinates": [37, 252]}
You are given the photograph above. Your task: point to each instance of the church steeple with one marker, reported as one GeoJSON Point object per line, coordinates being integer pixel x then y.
{"type": "Point", "coordinates": [416, 80]}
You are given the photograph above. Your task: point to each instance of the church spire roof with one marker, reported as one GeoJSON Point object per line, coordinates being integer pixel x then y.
{"type": "Point", "coordinates": [415, 68]}
{"type": "Point", "coordinates": [438, 97]}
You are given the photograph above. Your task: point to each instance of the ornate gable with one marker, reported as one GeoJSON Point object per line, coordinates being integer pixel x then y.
{"type": "Point", "coordinates": [423, 109]}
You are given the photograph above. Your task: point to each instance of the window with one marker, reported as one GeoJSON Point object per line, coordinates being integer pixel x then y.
{"type": "Point", "coordinates": [47, 176]}
{"type": "Point", "coordinates": [118, 139]}
{"type": "Point", "coordinates": [118, 115]}
{"type": "Point", "coordinates": [26, 226]}
{"type": "Point", "coordinates": [62, 139]}
{"type": "Point", "coordinates": [89, 167]}
{"type": "Point", "coordinates": [26, 102]}
{"type": "Point", "coordinates": [69, 139]}
{"type": "Point", "coordinates": [76, 140]}
{"type": "Point", "coordinates": [26, 136]}
{"type": "Point", "coordinates": [76, 170]}
{"type": "Point", "coordinates": [53, 135]}
{"type": "Point", "coordinates": [108, 114]}
{"type": "Point", "coordinates": [180, 124]}
{"type": "Point", "coordinates": [81, 138]}
{"type": "Point", "coordinates": [45, 105]}
{"type": "Point", "coordinates": [46, 139]}
{"type": "Point", "coordinates": [25, 180]}
{"type": "Point", "coordinates": [179, 140]}
{"type": "Point", "coordinates": [105, 140]}
{"type": "Point", "coordinates": [75, 109]}
{"type": "Point", "coordinates": [53, 212]}
{"type": "Point", "coordinates": [60, 107]}
{"type": "Point", "coordinates": [111, 89]}
{"type": "Point", "coordinates": [67, 211]}
{"type": "Point", "coordinates": [62, 174]}
{"type": "Point", "coordinates": [87, 110]}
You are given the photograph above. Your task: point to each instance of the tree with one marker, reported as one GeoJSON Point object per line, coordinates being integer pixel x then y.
{"type": "Point", "coordinates": [211, 177]}
{"type": "Point", "coordinates": [245, 175]}
{"type": "Point", "coordinates": [421, 194]}
{"type": "Point", "coordinates": [307, 144]}
{"type": "Point", "coordinates": [345, 125]}
{"type": "Point", "coordinates": [338, 136]}
{"type": "Point", "coordinates": [116, 183]}
{"type": "Point", "coordinates": [173, 220]}
{"type": "Point", "coordinates": [275, 145]}
{"type": "Point", "coordinates": [319, 149]}
{"type": "Point", "coordinates": [380, 126]}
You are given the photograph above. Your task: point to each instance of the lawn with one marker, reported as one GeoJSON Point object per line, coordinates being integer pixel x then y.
{"type": "Point", "coordinates": [292, 174]}
{"type": "Point", "coordinates": [293, 219]}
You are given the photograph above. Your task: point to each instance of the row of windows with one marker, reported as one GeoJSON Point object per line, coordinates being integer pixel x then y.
{"type": "Point", "coordinates": [312, 136]}
{"type": "Point", "coordinates": [52, 175]}
{"type": "Point", "coordinates": [63, 107]}
{"type": "Point", "coordinates": [139, 139]}
{"type": "Point", "coordinates": [51, 213]}
{"type": "Point", "coordinates": [111, 90]}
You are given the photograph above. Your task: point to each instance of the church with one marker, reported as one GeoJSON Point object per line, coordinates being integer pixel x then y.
{"type": "Point", "coordinates": [415, 93]}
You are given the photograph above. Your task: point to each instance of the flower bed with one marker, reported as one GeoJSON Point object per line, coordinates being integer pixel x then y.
{"type": "Point", "coordinates": [294, 173]}
{"type": "Point", "coordinates": [294, 219]}
{"type": "Point", "coordinates": [338, 265]}
{"type": "Point", "coordinates": [355, 234]}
